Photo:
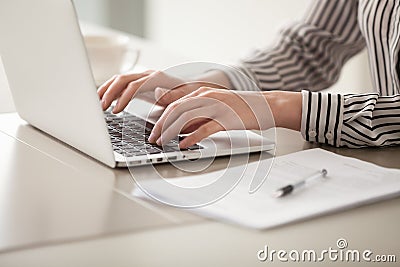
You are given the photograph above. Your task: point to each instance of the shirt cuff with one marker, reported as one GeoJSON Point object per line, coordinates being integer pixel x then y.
{"type": "Point", "coordinates": [322, 117]}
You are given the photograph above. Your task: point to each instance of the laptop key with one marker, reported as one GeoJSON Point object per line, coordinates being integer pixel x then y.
{"type": "Point", "coordinates": [153, 151]}
{"type": "Point", "coordinates": [140, 153]}
{"type": "Point", "coordinates": [195, 147]}
{"type": "Point", "coordinates": [170, 149]}
{"type": "Point", "coordinates": [132, 150]}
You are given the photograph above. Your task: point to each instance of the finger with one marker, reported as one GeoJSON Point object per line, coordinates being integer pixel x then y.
{"type": "Point", "coordinates": [127, 94]}
{"type": "Point", "coordinates": [198, 92]}
{"type": "Point", "coordinates": [172, 127]}
{"type": "Point", "coordinates": [103, 88]}
{"type": "Point", "coordinates": [164, 97]}
{"type": "Point", "coordinates": [193, 125]}
{"type": "Point", "coordinates": [118, 85]}
{"type": "Point", "coordinates": [146, 83]}
{"type": "Point", "coordinates": [171, 113]}
{"type": "Point", "coordinates": [162, 79]}
{"type": "Point", "coordinates": [202, 132]}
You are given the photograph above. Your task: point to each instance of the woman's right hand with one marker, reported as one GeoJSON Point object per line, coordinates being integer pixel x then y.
{"type": "Point", "coordinates": [166, 88]}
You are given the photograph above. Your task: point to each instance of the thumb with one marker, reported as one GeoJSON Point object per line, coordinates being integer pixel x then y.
{"type": "Point", "coordinates": [164, 97]}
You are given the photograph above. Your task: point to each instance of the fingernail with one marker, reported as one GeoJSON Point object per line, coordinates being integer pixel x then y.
{"type": "Point", "coordinates": [116, 108]}
{"type": "Point", "coordinates": [158, 142]}
{"type": "Point", "coordinates": [182, 145]}
{"type": "Point", "coordinates": [151, 137]}
{"type": "Point", "coordinates": [103, 103]}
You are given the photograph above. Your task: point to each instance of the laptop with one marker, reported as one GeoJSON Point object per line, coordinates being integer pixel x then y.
{"type": "Point", "coordinates": [50, 78]}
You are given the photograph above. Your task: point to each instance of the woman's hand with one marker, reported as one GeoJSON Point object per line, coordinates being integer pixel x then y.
{"type": "Point", "coordinates": [166, 88]}
{"type": "Point", "coordinates": [209, 110]}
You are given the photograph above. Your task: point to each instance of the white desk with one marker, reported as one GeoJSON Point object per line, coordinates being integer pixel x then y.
{"type": "Point", "coordinates": [61, 208]}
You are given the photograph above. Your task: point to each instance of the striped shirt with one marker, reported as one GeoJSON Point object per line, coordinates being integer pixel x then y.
{"type": "Point", "coordinates": [310, 55]}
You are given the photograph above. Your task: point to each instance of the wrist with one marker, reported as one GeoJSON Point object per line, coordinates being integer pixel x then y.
{"type": "Point", "coordinates": [286, 108]}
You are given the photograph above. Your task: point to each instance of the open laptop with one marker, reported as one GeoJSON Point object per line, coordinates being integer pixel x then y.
{"type": "Point", "coordinates": [49, 75]}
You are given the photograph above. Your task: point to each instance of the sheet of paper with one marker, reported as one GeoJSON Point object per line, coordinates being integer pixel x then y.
{"type": "Point", "coordinates": [350, 182]}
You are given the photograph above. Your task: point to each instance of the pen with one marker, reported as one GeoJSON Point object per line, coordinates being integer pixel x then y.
{"type": "Point", "coordinates": [289, 188]}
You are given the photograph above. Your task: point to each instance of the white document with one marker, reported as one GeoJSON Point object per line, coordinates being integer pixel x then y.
{"type": "Point", "coordinates": [350, 182]}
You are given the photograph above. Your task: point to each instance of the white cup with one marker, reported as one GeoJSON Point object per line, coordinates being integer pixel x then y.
{"type": "Point", "coordinates": [110, 55]}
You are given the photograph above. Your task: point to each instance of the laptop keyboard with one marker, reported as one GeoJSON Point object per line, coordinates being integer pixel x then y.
{"type": "Point", "coordinates": [129, 136]}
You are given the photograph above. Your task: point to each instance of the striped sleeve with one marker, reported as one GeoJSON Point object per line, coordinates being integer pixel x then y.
{"type": "Point", "coordinates": [308, 54]}
{"type": "Point", "coordinates": [351, 120]}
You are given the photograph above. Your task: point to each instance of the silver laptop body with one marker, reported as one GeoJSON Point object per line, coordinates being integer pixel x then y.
{"type": "Point", "coordinates": [49, 75]}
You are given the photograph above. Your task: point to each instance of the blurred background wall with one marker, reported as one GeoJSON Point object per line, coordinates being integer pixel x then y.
{"type": "Point", "coordinates": [124, 15]}
{"type": "Point", "coordinates": [219, 31]}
